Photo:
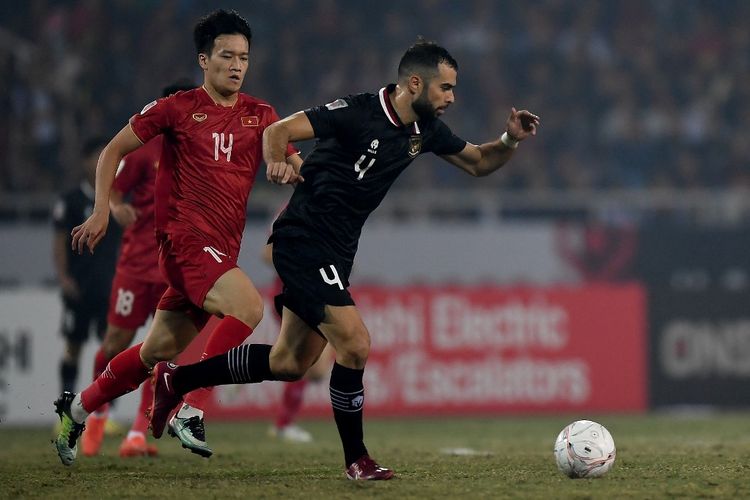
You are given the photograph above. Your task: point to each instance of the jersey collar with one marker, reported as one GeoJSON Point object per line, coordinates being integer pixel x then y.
{"type": "Point", "coordinates": [390, 113]}
{"type": "Point", "coordinates": [211, 100]}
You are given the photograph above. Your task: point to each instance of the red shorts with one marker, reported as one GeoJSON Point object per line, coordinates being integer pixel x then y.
{"type": "Point", "coordinates": [191, 266]}
{"type": "Point", "coordinates": [132, 301]}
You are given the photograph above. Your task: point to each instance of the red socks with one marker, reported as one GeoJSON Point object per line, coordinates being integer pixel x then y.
{"type": "Point", "coordinates": [140, 424]}
{"type": "Point", "coordinates": [229, 333]}
{"type": "Point", "coordinates": [100, 364]}
{"type": "Point", "coordinates": [123, 374]}
{"type": "Point", "coordinates": [291, 401]}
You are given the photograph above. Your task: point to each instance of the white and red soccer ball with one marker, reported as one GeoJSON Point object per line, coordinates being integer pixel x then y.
{"type": "Point", "coordinates": [584, 449]}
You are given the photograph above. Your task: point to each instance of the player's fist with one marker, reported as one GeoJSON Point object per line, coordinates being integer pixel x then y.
{"type": "Point", "coordinates": [521, 124]}
{"type": "Point", "coordinates": [91, 232]}
{"type": "Point", "coordinates": [281, 172]}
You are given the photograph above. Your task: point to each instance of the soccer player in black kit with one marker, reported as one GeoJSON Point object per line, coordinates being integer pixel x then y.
{"type": "Point", "coordinates": [364, 142]}
{"type": "Point", "coordinates": [84, 279]}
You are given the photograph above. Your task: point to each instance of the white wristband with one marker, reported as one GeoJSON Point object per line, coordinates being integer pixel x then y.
{"type": "Point", "coordinates": [508, 141]}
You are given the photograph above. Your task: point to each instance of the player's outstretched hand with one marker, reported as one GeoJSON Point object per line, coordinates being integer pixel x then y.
{"type": "Point", "coordinates": [124, 213]}
{"type": "Point", "coordinates": [281, 172]}
{"type": "Point", "coordinates": [90, 233]}
{"type": "Point", "coordinates": [521, 124]}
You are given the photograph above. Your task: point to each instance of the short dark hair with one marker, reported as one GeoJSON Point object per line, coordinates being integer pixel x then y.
{"type": "Point", "coordinates": [423, 59]}
{"type": "Point", "coordinates": [183, 83]}
{"type": "Point", "coordinates": [92, 145]}
{"type": "Point", "coordinates": [219, 22]}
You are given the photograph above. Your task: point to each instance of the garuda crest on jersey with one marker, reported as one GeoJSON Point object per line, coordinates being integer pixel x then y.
{"type": "Point", "coordinates": [415, 145]}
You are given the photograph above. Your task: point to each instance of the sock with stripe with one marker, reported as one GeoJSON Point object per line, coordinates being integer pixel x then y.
{"type": "Point", "coordinates": [100, 364]}
{"type": "Point", "coordinates": [229, 333]}
{"type": "Point", "coordinates": [246, 364]}
{"type": "Point", "coordinates": [347, 400]}
{"type": "Point", "coordinates": [124, 373]}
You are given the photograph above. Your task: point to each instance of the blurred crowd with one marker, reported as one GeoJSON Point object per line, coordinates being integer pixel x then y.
{"type": "Point", "coordinates": [632, 94]}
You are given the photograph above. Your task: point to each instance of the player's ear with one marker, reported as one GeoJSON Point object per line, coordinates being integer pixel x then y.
{"type": "Point", "coordinates": [203, 61]}
{"type": "Point", "coordinates": [415, 84]}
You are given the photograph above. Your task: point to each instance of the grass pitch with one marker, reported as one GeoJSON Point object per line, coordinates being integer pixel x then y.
{"type": "Point", "coordinates": [657, 457]}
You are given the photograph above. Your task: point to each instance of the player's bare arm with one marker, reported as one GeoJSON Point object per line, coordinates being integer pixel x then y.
{"type": "Point", "coordinates": [123, 212]}
{"type": "Point", "coordinates": [486, 158]}
{"type": "Point", "coordinates": [279, 169]}
{"type": "Point", "coordinates": [91, 232]}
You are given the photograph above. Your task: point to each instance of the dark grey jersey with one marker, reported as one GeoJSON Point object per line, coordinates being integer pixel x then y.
{"type": "Point", "coordinates": [92, 273]}
{"type": "Point", "coordinates": [362, 148]}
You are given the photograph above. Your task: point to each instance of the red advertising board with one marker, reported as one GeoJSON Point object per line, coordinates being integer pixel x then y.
{"type": "Point", "coordinates": [472, 350]}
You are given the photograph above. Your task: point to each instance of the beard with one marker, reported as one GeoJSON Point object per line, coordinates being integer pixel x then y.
{"type": "Point", "coordinates": [423, 108]}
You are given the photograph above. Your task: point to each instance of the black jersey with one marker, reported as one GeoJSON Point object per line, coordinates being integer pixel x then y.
{"type": "Point", "coordinates": [362, 148]}
{"type": "Point", "coordinates": [92, 273]}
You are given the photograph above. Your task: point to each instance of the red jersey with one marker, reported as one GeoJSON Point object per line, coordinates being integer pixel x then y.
{"type": "Point", "coordinates": [210, 157]}
{"type": "Point", "coordinates": [135, 176]}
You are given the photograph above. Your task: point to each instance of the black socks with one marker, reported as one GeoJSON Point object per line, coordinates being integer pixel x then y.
{"type": "Point", "coordinates": [241, 365]}
{"type": "Point", "coordinates": [347, 399]}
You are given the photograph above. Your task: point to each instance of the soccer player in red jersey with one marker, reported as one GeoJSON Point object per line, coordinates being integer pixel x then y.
{"type": "Point", "coordinates": [212, 147]}
{"type": "Point", "coordinates": [137, 286]}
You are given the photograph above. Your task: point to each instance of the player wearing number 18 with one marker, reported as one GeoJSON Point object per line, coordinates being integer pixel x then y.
{"type": "Point", "coordinates": [364, 142]}
{"type": "Point", "coordinates": [211, 150]}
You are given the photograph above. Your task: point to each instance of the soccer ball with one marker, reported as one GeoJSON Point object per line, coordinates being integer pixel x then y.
{"type": "Point", "coordinates": [584, 449]}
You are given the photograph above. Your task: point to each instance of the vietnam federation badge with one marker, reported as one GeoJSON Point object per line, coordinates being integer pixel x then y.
{"type": "Point", "coordinates": [415, 145]}
{"type": "Point", "coordinates": [250, 121]}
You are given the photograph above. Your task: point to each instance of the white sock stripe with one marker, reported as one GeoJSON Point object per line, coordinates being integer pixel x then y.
{"type": "Point", "coordinates": [230, 363]}
{"type": "Point", "coordinates": [246, 363]}
{"type": "Point", "coordinates": [342, 393]}
{"type": "Point", "coordinates": [349, 402]}
{"type": "Point", "coordinates": [343, 400]}
{"type": "Point", "coordinates": [235, 365]}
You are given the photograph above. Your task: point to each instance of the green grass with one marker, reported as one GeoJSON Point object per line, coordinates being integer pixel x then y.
{"type": "Point", "coordinates": [658, 457]}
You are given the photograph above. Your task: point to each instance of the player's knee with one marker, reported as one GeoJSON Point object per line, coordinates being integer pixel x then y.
{"type": "Point", "coordinates": [249, 310]}
{"type": "Point", "coordinates": [355, 351]}
{"type": "Point", "coordinates": [251, 314]}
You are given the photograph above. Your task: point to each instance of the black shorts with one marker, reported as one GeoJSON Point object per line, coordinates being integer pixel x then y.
{"type": "Point", "coordinates": [313, 277]}
{"type": "Point", "coordinates": [80, 316]}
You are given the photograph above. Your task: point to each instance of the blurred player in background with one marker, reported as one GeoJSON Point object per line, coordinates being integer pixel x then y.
{"type": "Point", "coordinates": [364, 142]}
{"type": "Point", "coordinates": [137, 286]}
{"type": "Point", "coordinates": [212, 147]}
{"type": "Point", "coordinates": [84, 279]}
